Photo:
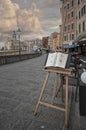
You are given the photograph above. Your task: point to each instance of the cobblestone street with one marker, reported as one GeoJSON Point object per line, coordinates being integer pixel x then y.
{"type": "Point", "coordinates": [20, 86]}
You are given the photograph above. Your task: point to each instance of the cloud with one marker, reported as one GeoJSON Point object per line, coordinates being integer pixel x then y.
{"type": "Point", "coordinates": [32, 36]}
{"type": "Point", "coordinates": [28, 20]}
{"type": "Point", "coordinates": [50, 25]}
{"type": "Point", "coordinates": [12, 16]}
{"type": "Point", "coordinates": [7, 15]}
{"type": "Point", "coordinates": [47, 3]}
{"type": "Point", "coordinates": [50, 14]}
{"type": "Point", "coordinates": [35, 18]}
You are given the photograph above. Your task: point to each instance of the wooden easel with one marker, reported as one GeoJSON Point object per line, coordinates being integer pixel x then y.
{"type": "Point", "coordinates": [60, 71]}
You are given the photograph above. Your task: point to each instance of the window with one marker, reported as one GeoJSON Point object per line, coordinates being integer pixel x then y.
{"type": "Point", "coordinates": [72, 26]}
{"type": "Point", "coordinates": [83, 26]}
{"type": "Point", "coordinates": [64, 7]}
{"type": "Point", "coordinates": [82, 12]}
{"type": "Point", "coordinates": [64, 38]}
{"type": "Point", "coordinates": [79, 15]}
{"type": "Point", "coordinates": [65, 28]}
{"type": "Point", "coordinates": [72, 3]}
{"type": "Point", "coordinates": [68, 16]}
{"type": "Point", "coordinates": [68, 6]}
{"type": "Point", "coordinates": [78, 2]}
{"type": "Point", "coordinates": [72, 36]}
{"type": "Point", "coordinates": [64, 1]}
{"type": "Point", "coordinates": [72, 14]}
{"type": "Point", "coordinates": [79, 28]}
{"type": "Point", "coordinates": [68, 27]}
{"type": "Point", "coordinates": [67, 38]}
{"type": "Point", "coordinates": [84, 9]}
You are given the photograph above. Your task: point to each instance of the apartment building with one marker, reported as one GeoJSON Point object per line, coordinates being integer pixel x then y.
{"type": "Point", "coordinates": [73, 20]}
{"type": "Point", "coordinates": [55, 40]}
{"type": "Point", "coordinates": [51, 42]}
{"type": "Point", "coordinates": [81, 18]}
{"type": "Point", "coordinates": [45, 42]}
{"type": "Point", "coordinates": [68, 11]}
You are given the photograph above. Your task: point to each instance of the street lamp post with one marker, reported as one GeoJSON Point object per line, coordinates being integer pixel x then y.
{"type": "Point", "coordinates": [19, 32]}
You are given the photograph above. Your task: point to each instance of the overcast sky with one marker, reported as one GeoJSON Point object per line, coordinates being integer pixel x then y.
{"type": "Point", "coordinates": [35, 18]}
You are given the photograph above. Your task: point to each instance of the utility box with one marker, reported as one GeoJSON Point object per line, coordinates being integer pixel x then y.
{"type": "Point", "coordinates": [82, 98]}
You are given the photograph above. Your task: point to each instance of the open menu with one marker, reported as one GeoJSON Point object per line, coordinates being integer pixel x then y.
{"type": "Point", "coordinates": [56, 59]}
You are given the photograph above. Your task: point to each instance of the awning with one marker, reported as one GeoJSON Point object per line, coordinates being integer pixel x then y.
{"type": "Point", "coordinates": [82, 42]}
{"type": "Point", "coordinates": [70, 46]}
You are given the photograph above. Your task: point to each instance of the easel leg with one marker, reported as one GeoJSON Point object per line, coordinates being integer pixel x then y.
{"type": "Point", "coordinates": [42, 91]}
{"type": "Point", "coordinates": [66, 103]}
{"type": "Point", "coordinates": [54, 89]}
{"type": "Point", "coordinates": [62, 80]}
{"type": "Point", "coordinates": [61, 87]}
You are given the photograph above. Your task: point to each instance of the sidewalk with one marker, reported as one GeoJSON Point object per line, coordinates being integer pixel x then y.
{"type": "Point", "coordinates": [77, 122]}
{"type": "Point", "coordinates": [20, 86]}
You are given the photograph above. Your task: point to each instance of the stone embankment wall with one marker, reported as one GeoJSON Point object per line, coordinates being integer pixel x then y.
{"type": "Point", "coordinates": [15, 58]}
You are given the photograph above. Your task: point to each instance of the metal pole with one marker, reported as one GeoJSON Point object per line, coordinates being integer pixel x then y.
{"type": "Point", "coordinates": [18, 32]}
{"type": "Point", "coordinates": [19, 45]}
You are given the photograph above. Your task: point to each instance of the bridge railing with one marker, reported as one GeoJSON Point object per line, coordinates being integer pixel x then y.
{"type": "Point", "coordinates": [13, 52]}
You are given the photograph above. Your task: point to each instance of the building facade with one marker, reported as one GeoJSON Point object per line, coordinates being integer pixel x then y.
{"type": "Point", "coordinates": [81, 17]}
{"type": "Point", "coordinates": [73, 20]}
{"type": "Point", "coordinates": [55, 40]}
{"type": "Point", "coordinates": [45, 42]}
{"type": "Point", "coordinates": [51, 42]}
{"type": "Point", "coordinates": [68, 11]}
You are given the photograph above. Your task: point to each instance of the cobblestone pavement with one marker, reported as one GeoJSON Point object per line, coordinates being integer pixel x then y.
{"type": "Point", "coordinates": [20, 86]}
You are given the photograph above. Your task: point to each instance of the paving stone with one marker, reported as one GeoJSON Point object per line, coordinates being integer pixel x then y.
{"type": "Point", "coordinates": [20, 86]}
{"type": "Point", "coordinates": [38, 125]}
{"type": "Point", "coordinates": [5, 120]}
